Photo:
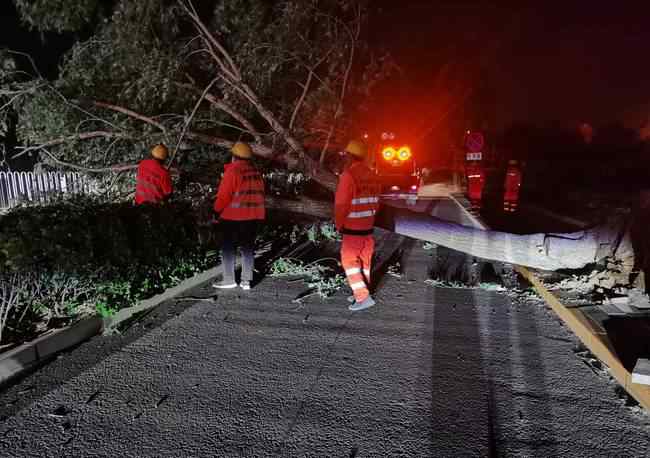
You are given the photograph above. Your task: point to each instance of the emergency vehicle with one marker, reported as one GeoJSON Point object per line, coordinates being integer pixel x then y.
{"type": "Point", "coordinates": [396, 167]}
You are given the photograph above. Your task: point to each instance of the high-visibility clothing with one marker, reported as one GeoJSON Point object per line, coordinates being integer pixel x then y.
{"type": "Point", "coordinates": [512, 183]}
{"type": "Point", "coordinates": [475, 183]}
{"type": "Point", "coordinates": [356, 257]}
{"type": "Point", "coordinates": [357, 200]}
{"type": "Point", "coordinates": [154, 182]}
{"type": "Point", "coordinates": [511, 189]}
{"type": "Point", "coordinates": [241, 193]}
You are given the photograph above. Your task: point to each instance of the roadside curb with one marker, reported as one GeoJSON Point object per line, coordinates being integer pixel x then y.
{"type": "Point", "coordinates": [110, 323]}
{"type": "Point", "coordinates": [26, 356]}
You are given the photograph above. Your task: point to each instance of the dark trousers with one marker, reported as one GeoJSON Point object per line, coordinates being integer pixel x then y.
{"type": "Point", "coordinates": [238, 234]}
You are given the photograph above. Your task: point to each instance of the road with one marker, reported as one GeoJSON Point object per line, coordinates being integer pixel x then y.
{"type": "Point", "coordinates": [429, 372]}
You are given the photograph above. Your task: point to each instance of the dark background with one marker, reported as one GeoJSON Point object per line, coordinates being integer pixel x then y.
{"type": "Point", "coordinates": [526, 75]}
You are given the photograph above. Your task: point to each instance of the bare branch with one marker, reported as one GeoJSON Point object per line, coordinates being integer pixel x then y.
{"type": "Point", "coordinates": [115, 168]}
{"type": "Point", "coordinates": [354, 38]}
{"type": "Point", "coordinates": [189, 120]}
{"type": "Point", "coordinates": [306, 87]}
{"type": "Point", "coordinates": [81, 136]}
{"type": "Point", "coordinates": [228, 109]}
{"type": "Point", "coordinates": [213, 43]}
{"type": "Point", "coordinates": [130, 113]}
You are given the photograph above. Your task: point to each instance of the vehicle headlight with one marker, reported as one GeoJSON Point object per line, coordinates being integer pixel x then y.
{"type": "Point", "coordinates": [404, 153]}
{"type": "Point", "coordinates": [388, 154]}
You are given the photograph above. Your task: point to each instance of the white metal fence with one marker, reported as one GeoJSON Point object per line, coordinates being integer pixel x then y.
{"type": "Point", "coordinates": [19, 187]}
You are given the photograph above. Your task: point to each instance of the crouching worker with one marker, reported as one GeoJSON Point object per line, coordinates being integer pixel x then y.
{"type": "Point", "coordinates": [356, 203]}
{"type": "Point", "coordinates": [153, 183]}
{"type": "Point", "coordinates": [240, 210]}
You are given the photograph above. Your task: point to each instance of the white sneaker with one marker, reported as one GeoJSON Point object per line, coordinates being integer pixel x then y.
{"type": "Point", "coordinates": [365, 304]}
{"type": "Point", "coordinates": [245, 285]}
{"type": "Point", "coordinates": [224, 285]}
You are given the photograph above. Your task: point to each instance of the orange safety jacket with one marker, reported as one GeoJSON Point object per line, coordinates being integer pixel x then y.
{"type": "Point", "coordinates": [357, 200]}
{"type": "Point", "coordinates": [512, 183]}
{"type": "Point", "coordinates": [241, 193]}
{"type": "Point", "coordinates": [475, 182]}
{"type": "Point", "coordinates": [153, 182]}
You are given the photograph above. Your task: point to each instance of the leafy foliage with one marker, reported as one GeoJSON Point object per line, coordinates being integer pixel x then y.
{"type": "Point", "coordinates": [138, 77]}
{"type": "Point", "coordinates": [84, 256]}
{"type": "Point", "coordinates": [58, 15]}
{"type": "Point", "coordinates": [320, 278]}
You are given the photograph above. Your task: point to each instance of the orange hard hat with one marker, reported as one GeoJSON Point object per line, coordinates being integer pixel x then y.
{"type": "Point", "coordinates": [357, 149]}
{"type": "Point", "coordinates": [242, 150]}
{"type": "Point", "coordinates": [160, 152]}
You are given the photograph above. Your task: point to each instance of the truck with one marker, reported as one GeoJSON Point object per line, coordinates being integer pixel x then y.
{"type": "Point", "coordinates": [396, 167]}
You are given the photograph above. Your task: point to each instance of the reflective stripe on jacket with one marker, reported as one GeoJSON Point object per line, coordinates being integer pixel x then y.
{"type": "Point", "coordinates": [153, 182]}
{"type": "Point", "coordinates": [357, 200]}
{"type": "Point", "coordinates": [512, 183]}
{"type": "Point", "coordinates": [475, 182]}
{"type": "Point", "coordinates": [241, 193]}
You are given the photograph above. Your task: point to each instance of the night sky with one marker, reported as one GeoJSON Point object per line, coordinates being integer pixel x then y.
{"type": "Point", "coordinates": [566, 61]}
{"type": "Point", "coordinates": [561, 61]}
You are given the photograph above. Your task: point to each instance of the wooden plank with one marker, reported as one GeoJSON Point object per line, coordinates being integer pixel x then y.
{"type": "Point", "coordinates": [592, 337]}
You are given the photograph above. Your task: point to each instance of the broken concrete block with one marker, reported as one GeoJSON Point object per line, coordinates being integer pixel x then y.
{"type": "Point", "coordinates": [639, 300]}
{"type": "Point", "coordinates": [641, 372]}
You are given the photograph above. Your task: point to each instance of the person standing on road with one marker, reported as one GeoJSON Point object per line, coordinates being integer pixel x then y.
{"type": "Point", "coordinates": [511, 187]}
{"type": "Point", "coordinates": [356, 203]}
{"type": "Point", "coordinates": [475, 184]}
{"type": "Point", "coordinates": [240, 210]}
{"type": "Point", "coordinates": [153, 183]}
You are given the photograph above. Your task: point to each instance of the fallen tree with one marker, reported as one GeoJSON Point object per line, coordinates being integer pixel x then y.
{"type": "Point", "coordinates": [200, 77]}
{"type": "Point", "coordinates": [546, 251]}
{"type": "Point", "coordinates": [197, 77]}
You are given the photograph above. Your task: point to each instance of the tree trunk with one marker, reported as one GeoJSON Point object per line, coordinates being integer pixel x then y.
{"type": "Point", "coordinates": [303, 205]}
{"type": "Point", "coordinates": [546, 251]}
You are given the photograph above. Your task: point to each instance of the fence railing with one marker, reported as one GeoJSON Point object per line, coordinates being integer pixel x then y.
{"type": "Point", "coordinates": [19, 187]}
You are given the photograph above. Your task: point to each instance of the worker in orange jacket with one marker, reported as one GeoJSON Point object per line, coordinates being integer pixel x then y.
{"type": "Point", "coordinates": [153, 182]}
{"type": "Point", "coordinates": [356, 203]}
{"type": "Point", "coordinates": [511, 187]}
{"type": "Point", "coordinates": [475, 184]}
{"type": "Point", "coordinates": [240, 210]}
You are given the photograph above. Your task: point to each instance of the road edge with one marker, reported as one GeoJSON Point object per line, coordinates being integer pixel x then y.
{"type": "Point", "coordinates": [17, 361]}
{"type": "Point", "coordinates": [594, 339]}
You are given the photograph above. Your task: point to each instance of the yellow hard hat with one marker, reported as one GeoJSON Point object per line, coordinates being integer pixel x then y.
{"type": "Point", "coordinates": [242, 150]}
{"type": "Point", "coordinates": [160, 152]}
{"type": "Point", "coordinates": [357, 149]}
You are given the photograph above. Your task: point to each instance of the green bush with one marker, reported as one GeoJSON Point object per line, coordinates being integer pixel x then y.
{"type": "Point", "coordinates": [83, 235]}
{"type": "Point", "coordinates": [83, 257]}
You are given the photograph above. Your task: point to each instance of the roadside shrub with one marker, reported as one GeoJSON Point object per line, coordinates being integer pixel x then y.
{"type": "Point", "coordinates": [80, 235]}
{"type": "Point", "coordinates": [84, 256]}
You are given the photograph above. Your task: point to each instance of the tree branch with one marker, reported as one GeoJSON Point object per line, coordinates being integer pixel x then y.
{"type": "Point", "coordinates": [305, 89]}
{"type": "Point", "coordinates": [130, 113]}
{"type": "Point", "coordinates": [114, 168]}
{"type": "Point", "coordinates": [82, 136]}
{"type": "Point", "coordinates": [339, 107]}
{"type": "Point", "coordinates": [226, 108]}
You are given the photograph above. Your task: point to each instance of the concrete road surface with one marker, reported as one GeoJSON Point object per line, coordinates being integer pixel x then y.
{"type": "Point", "coordinates": [429, 372]}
